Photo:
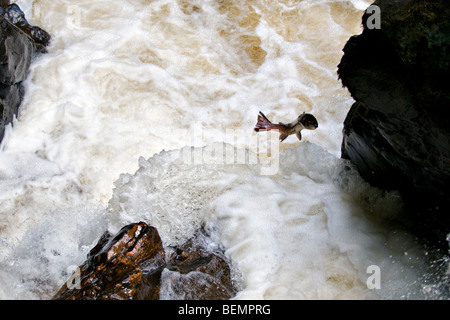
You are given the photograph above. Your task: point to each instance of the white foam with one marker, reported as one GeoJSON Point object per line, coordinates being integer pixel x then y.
{"type": "Point", "coordinates": [41, 261]}
{"type": "Point", "coordinates": [301, 224]}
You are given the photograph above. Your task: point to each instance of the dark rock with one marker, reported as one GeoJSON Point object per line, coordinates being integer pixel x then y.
{"type": "Point", "coordinates": [16, 51]}
{"type": "Point", "coordinates": [19, 43]}
{"type": "Point", "coordinates": [126, 266]}
{"type": "Point", "coordinates": [194, 272]}
{"type": "Point", "coordinates": [130, 265]}
{"type": "Point", "coordinates": [15, 16]}
{"type": "Point", "coordinates": [10, 99]}
{"type": "Point", "coordinates": [397, 132]}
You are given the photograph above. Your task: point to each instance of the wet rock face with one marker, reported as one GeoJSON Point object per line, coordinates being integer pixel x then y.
{"type": "Point", "coordinates": [195, 273]}
{"type": "Point", "coordinates": [133, 265]}
{"type": "Point", "coordinates": [397, 132]}
{"type": "Point", "coordinates": [19, 42]}
{"type": "Point", "coordinates": [125, 266]}
{"type": "Point", "coordinates": [13, 14]}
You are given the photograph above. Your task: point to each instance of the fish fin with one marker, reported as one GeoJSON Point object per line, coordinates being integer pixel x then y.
{"type": "Point", "coordinates": [283, 136]}
{"type": "Point", "coordinates": [264, 124]}
{"type": "Point", "coordinates": [299, 135]}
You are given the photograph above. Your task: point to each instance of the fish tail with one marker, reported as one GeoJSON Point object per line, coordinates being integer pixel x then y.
{"type": "Point", "coordinates": [264, 124]}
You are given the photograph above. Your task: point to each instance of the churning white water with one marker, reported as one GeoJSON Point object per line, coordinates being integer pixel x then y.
{"type": "Point", "coordinates": [126, 85]}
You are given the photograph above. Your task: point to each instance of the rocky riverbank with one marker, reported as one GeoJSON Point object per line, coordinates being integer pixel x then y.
{"type": "Point", "coordinates": [396, 133]}
{"type": "Point", "coordinates": [19, 43]}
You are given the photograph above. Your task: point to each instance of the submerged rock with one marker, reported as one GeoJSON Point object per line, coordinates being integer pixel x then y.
{"type": "Point", "coordinates": [397, 133]}
{"type": "Point", "coordinates": [194, 272]}
{"type": "Point", "coordinates": [19, 42]}
{"type": "Point", "coordinates": [132, 265]}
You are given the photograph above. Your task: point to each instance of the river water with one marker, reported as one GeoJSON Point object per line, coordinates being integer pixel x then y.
{"type": "Point", "coordinates": [126, 85]}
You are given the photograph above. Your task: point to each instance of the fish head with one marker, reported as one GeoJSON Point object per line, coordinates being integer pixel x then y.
{"type": "Point", "coordinates": [308, 121]}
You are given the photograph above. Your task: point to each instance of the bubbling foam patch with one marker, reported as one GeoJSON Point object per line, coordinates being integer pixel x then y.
{"type": "Point", "coordinates": [305, 232]}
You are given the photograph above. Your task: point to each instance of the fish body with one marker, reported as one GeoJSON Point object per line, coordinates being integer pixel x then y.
{"type": "Point", "coordinates": [303, 121]}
